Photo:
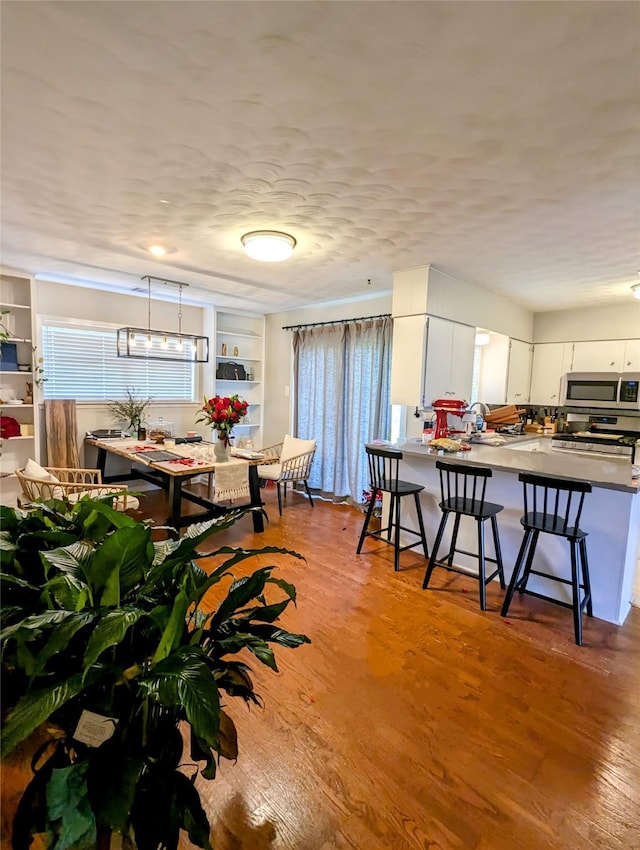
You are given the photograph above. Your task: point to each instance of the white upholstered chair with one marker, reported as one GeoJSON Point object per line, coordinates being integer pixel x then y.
{"type": "Point", "coordinates": [291, 462]}
{"type": "Point", "coordinates": [48, 482]}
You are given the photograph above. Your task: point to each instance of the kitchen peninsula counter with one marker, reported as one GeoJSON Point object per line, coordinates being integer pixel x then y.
{"type": "Point", "coordinates": [534, 454]}
{"type": "Point", "coordinates": [611, 514]}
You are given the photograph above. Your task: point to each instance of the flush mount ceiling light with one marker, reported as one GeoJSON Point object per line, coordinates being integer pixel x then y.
{"type": "Point", "coordinates": [157, 250]}
{"type": "Point", "coordinates": [482, 338]}
{"type": "Point", "coordinates": [269, 246]}
{"type": "Point", "coordinates": [148, 344]}
{"type": "Point", "coordinates": [636, 290]}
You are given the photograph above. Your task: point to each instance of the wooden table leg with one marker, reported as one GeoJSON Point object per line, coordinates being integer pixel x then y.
{"type": "Point", "coordinates": [175, 503]}
{"type": "Point", "coordinates": [256, 499]}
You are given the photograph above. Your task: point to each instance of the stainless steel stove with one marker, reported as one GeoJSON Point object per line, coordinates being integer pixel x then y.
{"type": "Point", "coordinates": [609, 436]}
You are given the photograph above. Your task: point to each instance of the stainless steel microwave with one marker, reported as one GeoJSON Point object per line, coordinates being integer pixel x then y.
{"type": "Point", "coordinates": [614, 390]}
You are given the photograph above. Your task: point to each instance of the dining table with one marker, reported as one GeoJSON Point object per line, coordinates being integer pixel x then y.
{"type": "Point", "coordinates": [172, 468]}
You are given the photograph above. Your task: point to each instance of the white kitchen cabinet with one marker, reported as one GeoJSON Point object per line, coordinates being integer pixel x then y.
{"type": "Point", "coordinates": [519, 372]}
{"type": "Point", "coordinates": [240, 339]}
{"type": "Point", "coordinates": [449, 361]}
{"type": "Point", "coordinates": [631, 360]}
{"type": "Point", "coordinates": [598, 356]}
{"type": "Point", "coordinates": [407, 360]}
{"type": "Point", "coordinates": [551, 360]}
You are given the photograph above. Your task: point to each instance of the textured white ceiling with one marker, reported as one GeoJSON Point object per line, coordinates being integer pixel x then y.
{"type": "Point", "coordinates": [497, 141]}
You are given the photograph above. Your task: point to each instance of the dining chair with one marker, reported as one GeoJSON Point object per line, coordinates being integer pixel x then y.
{"type": "Point", "coordinates": [290, 461]}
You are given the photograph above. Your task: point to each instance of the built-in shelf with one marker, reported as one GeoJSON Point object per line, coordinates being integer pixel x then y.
{"type": "Point", "coordinates": [222, 332]}
{"type": "Point", "coordinates": [245, 333]}
{"type": "Point", "coordinates": [17, 292]}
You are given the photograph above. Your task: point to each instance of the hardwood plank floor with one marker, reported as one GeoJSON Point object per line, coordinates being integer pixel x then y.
{"type": "Point", "coordinates": [414, 720]}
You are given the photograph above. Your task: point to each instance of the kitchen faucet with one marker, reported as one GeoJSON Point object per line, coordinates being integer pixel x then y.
{"type": "Point", "coordinates": [484, 408]}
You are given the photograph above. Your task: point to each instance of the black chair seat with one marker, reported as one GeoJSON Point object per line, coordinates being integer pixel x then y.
{"type": "Point", "coordinates": [384, 464]}
{"type": "Point", "coordinates": [470, 507]}
{"type": "Point", "coordinates": [553, 524]}
{"type": "Point", "coordinates": [462, 490]}
{"type": "Point", "coordinates": [553, 506]}
{"type": "Point", "coordinates": [401, 488]}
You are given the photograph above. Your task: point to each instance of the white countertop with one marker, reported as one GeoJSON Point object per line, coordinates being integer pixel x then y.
{"type": "Point", "coordinates": [516, 456]}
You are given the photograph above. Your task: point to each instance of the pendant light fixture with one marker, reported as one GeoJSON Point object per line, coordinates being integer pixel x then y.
{"type": "Point", "coordinates": [149, 344]}
{"type": "Point", "coordinates": [269, 246]}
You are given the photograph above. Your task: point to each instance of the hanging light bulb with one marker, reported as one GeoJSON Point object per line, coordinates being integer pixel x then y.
{"type": "Point", "coordinates": [165, 343]}
{"type": "Point", "coordinates": [148, 341]}
{"type": "Point", "coordinates": [179, 343]}
{"type": "Point", "coordinates": [132, 340]}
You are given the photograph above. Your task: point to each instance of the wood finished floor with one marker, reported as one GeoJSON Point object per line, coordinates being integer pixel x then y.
{"type": "Point", "coordinates": [413, 720]}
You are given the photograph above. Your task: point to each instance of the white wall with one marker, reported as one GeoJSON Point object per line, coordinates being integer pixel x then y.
{"type": "Point", "coordinates": [619, 321]}
{"type": "Point", "coordinates": [73, 302]}
{"type": "Point", "coordinates": [278, 354]}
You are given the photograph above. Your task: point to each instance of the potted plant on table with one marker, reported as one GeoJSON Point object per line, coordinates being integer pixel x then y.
{"type": "Point", "coordinates": [130, 410]}
{"type": "Point", "coordinates": [108, 639]}
{"type": "Point", "coordinates": [222, 413]}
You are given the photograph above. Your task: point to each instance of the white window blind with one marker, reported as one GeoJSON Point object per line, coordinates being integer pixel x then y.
{"type": "Point", "coordinates": [80, 362]}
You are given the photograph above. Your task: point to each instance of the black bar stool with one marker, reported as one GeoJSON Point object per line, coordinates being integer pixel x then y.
{"type": "Point", "coordinates": [383, 475]}
{"type": "Point", "coordinates": [462, 491]}
{"type": "Point", "coordinates": [553, 506]}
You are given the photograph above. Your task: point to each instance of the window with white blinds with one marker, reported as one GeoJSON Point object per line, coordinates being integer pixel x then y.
{"type": "Point", "coordinates": [80, 362]}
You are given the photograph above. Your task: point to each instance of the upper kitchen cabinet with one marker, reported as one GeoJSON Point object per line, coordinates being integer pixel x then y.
{"type": "Point", "coordinates": [449, 361]}
{"type": "Point", "coordinates": [599, 356]}
{"type": "Point", "coordinates": [631, 360]}
{"type": "Point", "coordinates": [407, 360]}
{"type": "Point", "coordinates": [519, 372]}
{"type": "Point", "coordinates": [551, 360]}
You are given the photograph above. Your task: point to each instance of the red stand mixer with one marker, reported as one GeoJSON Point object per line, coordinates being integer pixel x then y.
{"type": "Point", "coordinates": [443, 407]}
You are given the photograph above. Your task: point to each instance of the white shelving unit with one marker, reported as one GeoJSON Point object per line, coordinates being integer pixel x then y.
{"type": "Point", "coordinates": [241, 337]}
{"type": "Point", "coordinates": [18, 320]}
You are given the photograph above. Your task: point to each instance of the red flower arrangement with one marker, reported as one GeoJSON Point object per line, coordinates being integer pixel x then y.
{"type": "Point", "coordinates": [222, 413]}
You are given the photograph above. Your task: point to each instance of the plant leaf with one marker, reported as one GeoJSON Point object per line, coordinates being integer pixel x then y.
{"type": "Point", "coordinates": [185, 679]}
{"type": "Point", "coordinates": [68, 809]}
{"type": "Point", "coordinates": [174, 629]}
{"type": "Point", "coordinates": [228, 737]}
{"type": "Point", "coordinates": [126, 553]}
{"type": "Point", "coordinates": [74, 559]}
{"type": "Point", "coordinates": [35, 707]}
{"type": "Point", "coordinates": [109, 632]}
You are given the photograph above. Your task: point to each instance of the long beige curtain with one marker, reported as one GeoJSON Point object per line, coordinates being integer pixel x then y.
{"type": "Point", "coordinates": [342, 399]}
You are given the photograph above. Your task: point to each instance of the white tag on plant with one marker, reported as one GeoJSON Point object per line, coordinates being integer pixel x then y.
{"type": "Point", "coordinates": [94, 729]}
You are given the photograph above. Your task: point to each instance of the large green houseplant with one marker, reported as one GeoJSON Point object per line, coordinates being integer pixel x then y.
{"type": "Point", "coordinates": [107, 636]}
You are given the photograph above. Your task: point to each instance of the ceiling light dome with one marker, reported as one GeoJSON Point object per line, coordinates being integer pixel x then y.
{"type": "Point", "coordinates": [269, 246]}
{"type": "Point", "coordinates": [636, 290]}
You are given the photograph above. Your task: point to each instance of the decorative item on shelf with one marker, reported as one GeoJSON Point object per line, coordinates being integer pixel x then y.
{"type": "Point", "coordinates": [223, 349]}
{"type": "Point", "coordinates": [151, 344]}
{"type": "Point", "coordinates": [126, 656]}
{"type": "Point", "coordinates": [222, 413]}
{"type": "Point", "coordinates": [250, 375]}
{"type": "Point", "coordinates": [129, 410]}
{"type": "Point", "coordinates": [5, 333]}
{"type": "Point", "coordinates": [235, 351]}
{"type": "Point", "coordinates": [38, 368]}
{"type": "Point", "coordinates": [28, 399]}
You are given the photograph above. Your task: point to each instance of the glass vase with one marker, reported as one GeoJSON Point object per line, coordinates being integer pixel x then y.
{"type": "Point", "coordinates": [222, 449]}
